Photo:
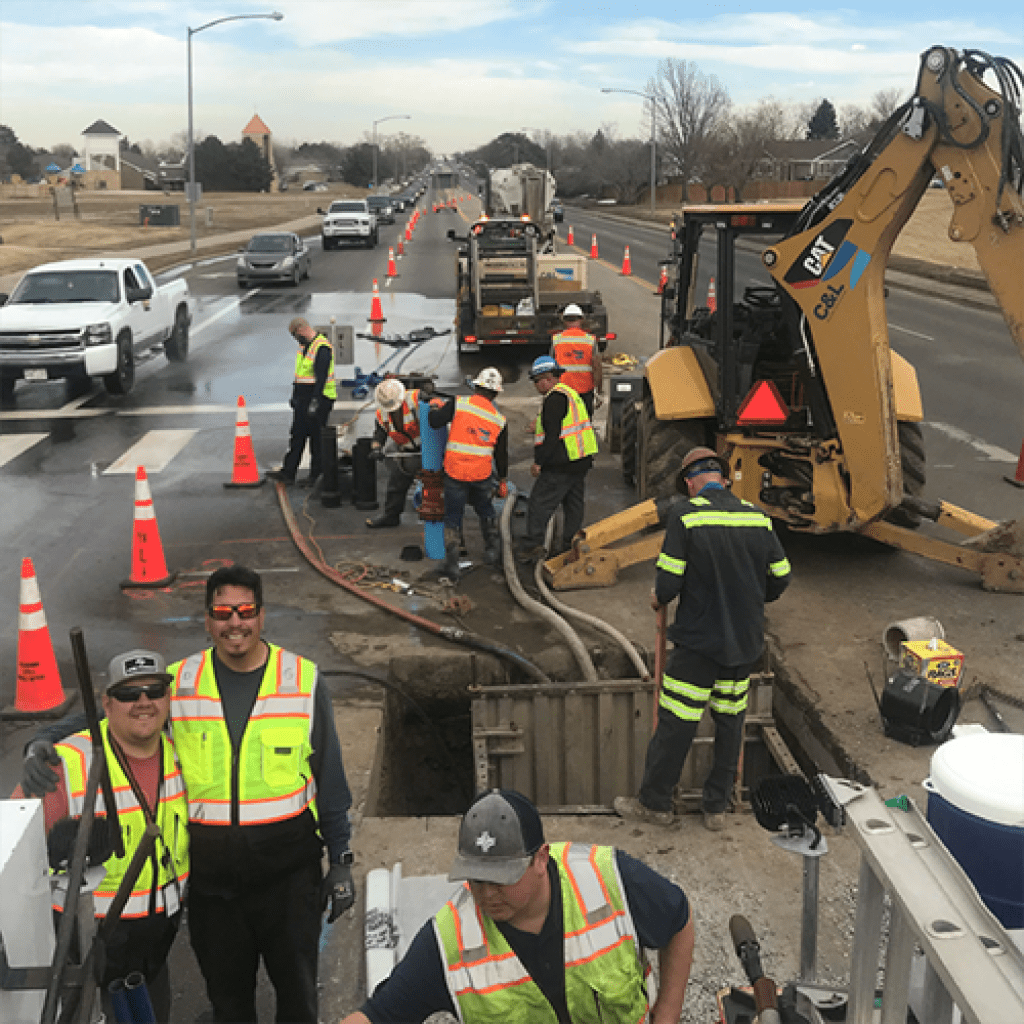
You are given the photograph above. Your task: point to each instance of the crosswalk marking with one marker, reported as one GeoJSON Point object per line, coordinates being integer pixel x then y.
{"type": "Point", "coordinates": [154, 451]}
{"type": "Point", "coordinates": [12, 445]}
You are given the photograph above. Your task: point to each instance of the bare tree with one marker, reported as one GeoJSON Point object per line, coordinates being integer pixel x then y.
{"type": "Point", "coordinates": [743, 140]}
{"type": "Point", "coordinates": [854, 119]}
{"type": "Point", "coordinates": [627, 168]}
{"type": "Point", "coordinates": [884, 102]}
{"type": "Point", "coordinates": [689, 107]}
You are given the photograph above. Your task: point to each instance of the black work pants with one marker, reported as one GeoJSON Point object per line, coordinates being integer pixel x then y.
{"type": "Point", "coordinates": [306, 427]}
{"type": "Point", "coordinates": [691, 682]}
{"type": "Point", "coordinates": [550, 490]}
{"type": "Point", "coordinates": [278, 921]}
{"type": "Point", "coordinates": [401, 476]}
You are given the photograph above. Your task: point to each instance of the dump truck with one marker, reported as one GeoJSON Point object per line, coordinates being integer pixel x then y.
{"type": "Point", "coordinates": [522, 190]}
{"type": "Point", "coordinates": [793, 381]}
{"type": "Point", "coordinates": [510, 292]}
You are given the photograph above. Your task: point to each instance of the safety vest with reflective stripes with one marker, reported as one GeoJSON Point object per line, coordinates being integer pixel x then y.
{"type": "Point", "coordinates": [573, 350]}
{"type": "Point", "coordinates": [604, 975]}
{"type": "Point", "coordinates": [274, 780]}
{"type": "Point", "coordinates": [577, 432]}
{"type": "Point", "coordinates": [171, 853]}
{"type": "Point", "coordinates": [474, 431]}
{"type": "Point", "coordinates": [410, 420]}
{"type": "Point", "coordinates": [305, 362]}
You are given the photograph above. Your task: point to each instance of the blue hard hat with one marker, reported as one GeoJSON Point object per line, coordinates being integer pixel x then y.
{"type": "Point", "coordinates": [542, 365]}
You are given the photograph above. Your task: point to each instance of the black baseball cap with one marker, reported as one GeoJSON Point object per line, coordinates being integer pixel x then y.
{"type": "Point", "coordinates": [498, 837]}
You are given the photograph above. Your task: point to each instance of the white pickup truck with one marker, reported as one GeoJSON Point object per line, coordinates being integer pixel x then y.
{"type": "Point", "coordinates": [348, 220]}
{"type": "Point", "coordinates": [89, 318]}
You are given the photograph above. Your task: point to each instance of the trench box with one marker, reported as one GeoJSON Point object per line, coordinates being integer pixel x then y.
{"type": "Point", "coordinates": [574, 747]}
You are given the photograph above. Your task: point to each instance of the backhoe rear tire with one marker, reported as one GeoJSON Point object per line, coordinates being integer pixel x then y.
{"type": "Point", "coordinates": [914, 466]}
{"type": "Point", "coordinates": [662, 447]}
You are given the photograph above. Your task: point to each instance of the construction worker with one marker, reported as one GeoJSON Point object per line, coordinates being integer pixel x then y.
{"type": "Point", "coordinates": [542, 933]}
{"type": "Point", "coordinates": [564, 446]}
{"type": "Point", "coordinates": [313, 395]}
{"type": "Point", "coordinates": [148, 787]}
{"type": "Point", "coordinates": [254, 730]}
{"type": "Point", "coordinates": [477, 444]}
{"type": "Point", "coordinates": [722, 560]}
{"type": "Point", "coordinates": [396, 430]}
{"type": "Point", "coordinates": [578, 355]}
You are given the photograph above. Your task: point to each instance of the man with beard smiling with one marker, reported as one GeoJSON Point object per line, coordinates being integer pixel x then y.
{"type": "Point", "coordinates": [543, 933]}
{"type": "Point", "coordinates": [259, 753]}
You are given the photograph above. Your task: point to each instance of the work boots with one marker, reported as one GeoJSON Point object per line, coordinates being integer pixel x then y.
{"type": "Point", "coordinates": [492, 541]}
{"type": "Point", "coordinates": [452, 542]}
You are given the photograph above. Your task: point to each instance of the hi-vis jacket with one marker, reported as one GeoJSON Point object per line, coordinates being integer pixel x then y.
{"type": "Point", "coordinates": [159, 895]}
{"type": "Point", "coordinates": [721, 558]}
{"type": "Point", "coordinates": [409, 434]}
{"type": "Point", "coordinates": [604, 975]}
{"type": "Point", "coordinates": [573, 350]}
{"type": "Point", "coordinates": [471, 439]}
{"type": "Point", "coordinates": [305, 360]}
{"type": "Point", "coordinates": [271, 780]}
{"type": "Point", "coordinates": [576, 432]}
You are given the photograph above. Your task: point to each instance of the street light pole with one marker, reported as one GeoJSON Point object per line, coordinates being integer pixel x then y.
{"type": "Point", "coordinates": [381, 120]}
{"type": "Point", "coordinates": [654, 165]}
{"type": "Point", "coordinates": [274, 16]}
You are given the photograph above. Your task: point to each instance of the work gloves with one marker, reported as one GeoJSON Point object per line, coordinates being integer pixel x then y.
{"type": "Point", "coordinates": [376, 453]}
{"type": "Point", "coordinates": [314, 404]}
{"type": "Point", "coordinates": [37, 777]}
{"type": "Point", "coordinates": [60, 843]}
{"type": "Point", "coordinates": [337, 891]}
{"type": "Point", "coordinates": [501, 491]}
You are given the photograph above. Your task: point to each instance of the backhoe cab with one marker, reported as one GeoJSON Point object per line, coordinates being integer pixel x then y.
{"type": "Point", "coordinates": [793, 379]}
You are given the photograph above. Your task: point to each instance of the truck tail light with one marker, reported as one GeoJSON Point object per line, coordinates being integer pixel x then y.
{"type": "Point", "coordinates": [469, 339]}
{"type": "Point", "coordinates": [762, 406]}
{"type": "Point", "coordinates": [610, 336]}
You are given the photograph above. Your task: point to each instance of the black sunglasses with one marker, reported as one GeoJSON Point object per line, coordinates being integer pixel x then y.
{"type": "Point", "coordinates": [130, 694]}
{"type": "Point", "coordinates": [222, 612]}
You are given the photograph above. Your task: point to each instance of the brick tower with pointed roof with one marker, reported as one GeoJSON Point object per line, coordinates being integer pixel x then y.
{"type": "Point", "coordinates": [258, 131]}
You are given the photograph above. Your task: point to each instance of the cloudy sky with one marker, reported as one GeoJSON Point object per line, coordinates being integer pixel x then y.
{"type": "Point", "coordinates": [463, 71]}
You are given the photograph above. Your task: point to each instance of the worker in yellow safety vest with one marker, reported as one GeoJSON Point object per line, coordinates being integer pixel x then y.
{"type": "Point", "coordinates": [148, 787]}
{"type": "Point", "coordinates": [477, 448]}
{"type": "Point", "coordinates": [577, 353]}
{"type": "Point", "coordinates": [313, 393]}
{"type": "Point", "coordinates": [564, 446]}
{"type": "Point", "coordinates": [541, 933]}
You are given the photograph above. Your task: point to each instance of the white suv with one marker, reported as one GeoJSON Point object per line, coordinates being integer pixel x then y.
{"type": "Point", "coordinates": [348, 220]}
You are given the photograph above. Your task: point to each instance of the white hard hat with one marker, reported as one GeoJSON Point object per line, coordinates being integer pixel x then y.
{"type": "Point", "coordinates": [572, 310]}
{"type": "Point", "coordinates": [488, 378]}
{"type": "Point", "coordinates": [389, 395]}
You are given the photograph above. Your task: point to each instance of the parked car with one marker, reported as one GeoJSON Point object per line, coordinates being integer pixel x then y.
{"type": "Point", "coordinates": [273, 256]}
{"type": "Point", "coordinates": [383, 207]}
{"type": "Point", "coordinates": [314, 186]}
{"type": "Point", "coordinates": [348, 220]}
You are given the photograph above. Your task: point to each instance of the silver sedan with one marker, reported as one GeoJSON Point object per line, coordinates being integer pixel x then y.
{"type": "Point", "coordinates": [273, 256]}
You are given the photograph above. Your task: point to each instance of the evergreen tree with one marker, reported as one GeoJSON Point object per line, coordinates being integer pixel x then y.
{"type": "Point", "coordinates": [823, 123]}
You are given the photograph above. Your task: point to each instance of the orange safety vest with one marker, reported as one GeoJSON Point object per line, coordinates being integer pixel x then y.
{"type": "Point", "coordinates": [471, 439]}
{"type": "Point", "coordinates": [410, 431]}
{"type": "Point", "coordinates": [573, 350]}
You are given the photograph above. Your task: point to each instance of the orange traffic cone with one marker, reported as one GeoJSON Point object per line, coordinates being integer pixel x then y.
{"type": "Point", "coordinates": [712, 300]}
{"type": "Point", "coordinates": [245, 472]}
{"type": "Point", "coordinates": [662, 281]}
{"type": "Point", "coordinates": [376, 329]}
{"type": "Point", "coordinates": [593, 247]}
{"type": "Point", "coordinates": [569, 239]}
{"type": "Point", "coordinates": [627, 267]}
{"type": "Point", "coordinates": [408, 232]}
{"type": "Point", "coordinates": [401, 246]}
{"type": "Point", "coordinates": [1018, 478]}
{"type": "Point", "coordinates": [149, 569]}
{"type": "Point", "coordinates": [392, 269]}
{"type": "Point", "coordinates": [376, 310]}
{"type": "Point", "coordinates": [38, 683]}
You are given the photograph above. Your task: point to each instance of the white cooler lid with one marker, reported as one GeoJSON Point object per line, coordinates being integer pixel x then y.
{"type": "Point", "coordinates": [983, 775]}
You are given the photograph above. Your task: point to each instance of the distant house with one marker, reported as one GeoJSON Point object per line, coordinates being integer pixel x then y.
{"type": "Point", "coordinates": [139, 172]}
{"type": "Point", "coordinates": [807, 159]}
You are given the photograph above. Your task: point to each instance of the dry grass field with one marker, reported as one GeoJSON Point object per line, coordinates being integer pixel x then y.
{"type": "Point", "coordinates": [109, 223]}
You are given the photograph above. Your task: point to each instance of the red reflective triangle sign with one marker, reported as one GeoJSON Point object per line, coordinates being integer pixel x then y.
{"type": "Point", "coordinates": [763, 404]}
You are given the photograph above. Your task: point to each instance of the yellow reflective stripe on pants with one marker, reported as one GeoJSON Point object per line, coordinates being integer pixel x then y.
{"type": "Point", "coordinates": [688, 700]}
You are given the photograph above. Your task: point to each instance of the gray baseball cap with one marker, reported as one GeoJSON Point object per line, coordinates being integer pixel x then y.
{"type": "Point", "coordinates": [498, 837]}
{"type": "Point", "coordinates": [135, 665]}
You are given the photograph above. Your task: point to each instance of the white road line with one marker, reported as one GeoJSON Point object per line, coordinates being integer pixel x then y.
{"type": "Point", "coordinates": [154, 451]}
{"type": "Point", "coordinates": [992, 451]}
{"type": "Point", "coordinates": [914, 334]}
{"type": "Point", "coordinates": [13, 445]}
{"type": "Point", "coordinates": [231, 307]}
{"type": "Point", "coordinates": [77, 403]}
